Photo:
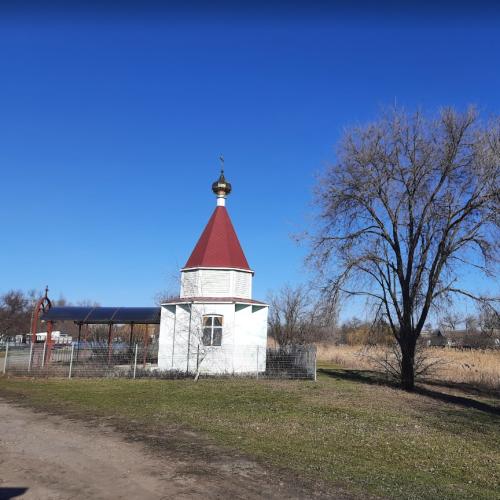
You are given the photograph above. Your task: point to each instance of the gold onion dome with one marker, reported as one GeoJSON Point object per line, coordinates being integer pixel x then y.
{"type": "Point", "coordinates": [221, 187]}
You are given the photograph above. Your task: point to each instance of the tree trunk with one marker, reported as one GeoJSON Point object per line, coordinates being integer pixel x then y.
{"type": "Point", "coordinates": [407, 372]}
{"type": "Point", "coordinates": [408, 364]}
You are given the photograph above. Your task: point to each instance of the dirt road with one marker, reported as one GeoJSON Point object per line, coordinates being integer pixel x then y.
{"type": "Point", "coordinates": [56, 458]}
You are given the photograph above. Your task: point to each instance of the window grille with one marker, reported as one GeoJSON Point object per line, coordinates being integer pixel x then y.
{"type": "Point", "coordinates": [212, 330]}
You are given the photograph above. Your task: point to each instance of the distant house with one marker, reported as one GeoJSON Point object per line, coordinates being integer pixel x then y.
{"type": "Point", "coordinates": [57, 337]}
{"type": "Point", "coordinates": [436, 339]}
{"type": "Point", "coordinates": [462, 339]}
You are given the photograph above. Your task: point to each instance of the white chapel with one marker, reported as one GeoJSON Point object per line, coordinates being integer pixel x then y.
{"type": "Point", "coordinates": [215, 326]}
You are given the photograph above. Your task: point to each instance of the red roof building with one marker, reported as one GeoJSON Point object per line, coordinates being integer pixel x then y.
{"type": "Point", "coordinates": [215, 315]}
{"type": "Point", "coordinates": [217, 266]}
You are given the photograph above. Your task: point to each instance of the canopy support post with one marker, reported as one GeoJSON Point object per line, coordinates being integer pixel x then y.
{"type": "Point", "coordinates": [145, 346]}
{"type": "Point", "coordinates": [131, 334]}
{"type": "Point", "coordinates": [79, 339]}
{"type": "Point", "coordinates": [50, 326]}
{"type": "Point", "coordinates": [109, 342]}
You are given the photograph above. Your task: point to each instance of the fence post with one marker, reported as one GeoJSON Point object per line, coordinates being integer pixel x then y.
{"type": "Point", "coordinates": [71, 360]}
{"type": "Point", "coordinates": [198, 358]}
{"type": "Point", "coordinates": [43, 353]}
{"type": "Point", "coordinates": [315, 367]}
{"type": "Point", "coordinates": [257, 361]}
{"type": "Point", "coordinates": [31, 357]}
{"type": "Point", "coordinates": [135, 359]}
{"type": "Point", "coordinates": [6, 355]}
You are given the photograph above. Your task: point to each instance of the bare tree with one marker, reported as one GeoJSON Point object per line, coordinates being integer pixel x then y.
{"type": "Point", "coordinates": [350, 329]}
{"type": "Point", "coordinates": [410, 201]}
{"type": "Point", "coordinates": [289, 315]}
{"type": "Point", "coordinates": [450, 321]}
{"type": "Point", "coordinates": [15, 314]}
{"type": "Point", "coordinates": [489, 320]}
{"type": "Point", "coordinates": [471, 324]}
{"type": "Point", "coordinates": [163, 296]}
{"type": "Point", "coordinates": [171, 291]}
{"type": "Point", "coordinates": [296, 316]}
{"type": "Point", "coordinates": [16, 308]}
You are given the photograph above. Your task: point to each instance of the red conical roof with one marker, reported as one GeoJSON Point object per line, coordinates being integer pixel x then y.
{"type": "Point", "coordinates": [218, 245]}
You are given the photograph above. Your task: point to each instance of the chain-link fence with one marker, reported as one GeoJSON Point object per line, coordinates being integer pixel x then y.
{"type": "Point", "coordinates": [291, 362]}
{"type": "Point", "coordinates": [137, 361]}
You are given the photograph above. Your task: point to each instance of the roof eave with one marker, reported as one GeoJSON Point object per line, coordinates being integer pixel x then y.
{"type": "Point", "coordinates": [220, 268]}
{"type": "Point", "coordinates": [215, 300]}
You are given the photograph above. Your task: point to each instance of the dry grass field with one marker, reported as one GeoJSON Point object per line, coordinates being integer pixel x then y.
{"type": "Point", "coordinates": [478, 368]}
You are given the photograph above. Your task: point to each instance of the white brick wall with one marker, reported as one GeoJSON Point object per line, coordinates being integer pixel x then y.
{"type": "Point", "coordinates": [216, 283]}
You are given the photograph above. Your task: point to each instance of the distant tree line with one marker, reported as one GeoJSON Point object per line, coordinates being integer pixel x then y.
{"type": "Point", "coordinates": [300, 316]}
{"type": "Point", "coordinates": [485, 322]}
{"type": "Point", "coordinates": [357, 332]}
{"type": "Point", "coordinates": [15, 312]}
{"type": "Point", "coordinates": [480, 330]}
{"type": "Point", "coordinates": [16, 309]}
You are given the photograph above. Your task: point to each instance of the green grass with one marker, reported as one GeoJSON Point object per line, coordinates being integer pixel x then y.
{"type": "Point", "coordinates": [341, 429]}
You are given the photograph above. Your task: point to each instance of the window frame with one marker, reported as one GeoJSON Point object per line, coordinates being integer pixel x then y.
{"type": "Point", "coordinates": [212, 328]}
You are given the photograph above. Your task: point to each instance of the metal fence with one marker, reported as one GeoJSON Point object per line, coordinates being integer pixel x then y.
{"type": "Point", "coordinates": [297, 362]}
{"type": "Point", "coordinates": [137, 361]}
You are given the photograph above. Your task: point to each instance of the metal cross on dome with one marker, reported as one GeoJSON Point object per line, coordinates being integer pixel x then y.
{"type": "Point", "coordinates": [221, 158]}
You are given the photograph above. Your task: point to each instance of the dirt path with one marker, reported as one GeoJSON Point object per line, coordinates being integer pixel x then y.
{"type": "Point", "coordinates": [57, 458]}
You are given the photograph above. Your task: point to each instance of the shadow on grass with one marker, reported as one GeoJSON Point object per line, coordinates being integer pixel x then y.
{"type": "Point", "coordinates": [7, 493]}
{"type": "Point", "coordinates": [458, 400]}
{"type": "Point", "coordinates": [365, 376]}
{"type": "Point", "coordinates": [376, 378]}
{"type": "Point", "coordinates": [464, 387]}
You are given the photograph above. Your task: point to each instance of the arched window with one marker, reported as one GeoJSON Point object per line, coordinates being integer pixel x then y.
{"type": "Point", "coordinates": [212, 330]}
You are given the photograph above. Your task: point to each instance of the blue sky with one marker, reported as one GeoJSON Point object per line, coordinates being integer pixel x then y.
{"type": "Point", "coordinates": [112, 120]}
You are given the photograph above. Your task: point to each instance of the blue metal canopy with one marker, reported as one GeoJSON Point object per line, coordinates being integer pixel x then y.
{"type": "Point", "coordinates": [104, 315]}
